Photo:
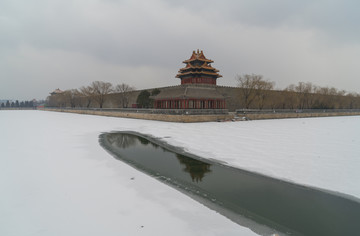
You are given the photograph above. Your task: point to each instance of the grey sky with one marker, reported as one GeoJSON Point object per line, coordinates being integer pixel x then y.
{"type": "Point", "coordinates": [49, 44]}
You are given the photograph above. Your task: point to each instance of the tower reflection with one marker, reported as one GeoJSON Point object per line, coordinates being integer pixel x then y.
{"type": "Point", "coordinates": [126, 140]}
{"type": "Point", "coordinates": [121, 140]}
{"type": "Point", "coordinates": [197, 169]}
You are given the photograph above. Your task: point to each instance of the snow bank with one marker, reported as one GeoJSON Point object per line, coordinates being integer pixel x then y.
{"type": "Point", "coordinates": [57, 180]}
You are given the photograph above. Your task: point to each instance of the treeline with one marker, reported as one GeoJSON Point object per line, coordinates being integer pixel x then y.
{"type": "Point", "coordinates": [258, 93]}
{"type": "Point", "coordinates": [18, 104]}
{"type": "Point", "coordinates": [253, 92]}
{"type": "Point", "coordinates": [96, 93]}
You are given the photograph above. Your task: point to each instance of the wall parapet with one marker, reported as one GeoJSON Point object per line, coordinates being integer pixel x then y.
{"type": "Point", "coordinates": [172, 116]}
{"type": "Point", "coordinates": [153, 114]}
{"type": "Point", "coordinates": [268, 111]}
{"type": "Point", "coordinates": [253, 114]}
{"type": "Point", "coordinates": [152, 111]}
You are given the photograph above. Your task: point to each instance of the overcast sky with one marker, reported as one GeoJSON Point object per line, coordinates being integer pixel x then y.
{"type": "Point", "coordinates": [49, 44]}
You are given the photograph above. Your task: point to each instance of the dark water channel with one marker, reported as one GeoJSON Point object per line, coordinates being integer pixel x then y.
{"type": "Point", "coordinates": [265, 205]}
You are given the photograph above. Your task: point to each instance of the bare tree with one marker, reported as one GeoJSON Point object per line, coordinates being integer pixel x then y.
{"type": "Point", "coordinates": [71, 96]}
{"type": "Point", "coordinates": [305, 94]}
{"type": "Point", "coordinates": [248, 84]}
{"type": "Point", "coordinates": [56, 100]}
{"type": "Point", "coordinates": [327, 97]}
{"type": "Point", "coordinates": [290, 97]}
{"type": "Point", "coordinates": [357, 100]}
{"type": "Point", "coordinates": [263, 90]}
{"type": "Point", "coordinates": [124, 90]}
{"type": "Point", "coordinates": [100, 89]}
{"type": "Point", "coordinates": [352, 99]}
{"type": "Point", "coordinates": [87, 94]}
{"type": "Point", "coordinates": [254, 87]}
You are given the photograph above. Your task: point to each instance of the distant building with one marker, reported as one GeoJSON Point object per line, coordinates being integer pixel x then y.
{"type": "Point", "coordinates": [197, 89]}
{"type": "Point", "coordinates": [56, 91]}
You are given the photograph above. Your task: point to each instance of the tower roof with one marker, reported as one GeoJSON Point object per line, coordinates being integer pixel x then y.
{"type": "Point", "coordinates": [56, 91]}
{"type": "Point", "coordinates": [198, 56]}
{"type": "Point", "coordinates": [206, 66]}
{"type": "Point", "coordinates": [198, 65]}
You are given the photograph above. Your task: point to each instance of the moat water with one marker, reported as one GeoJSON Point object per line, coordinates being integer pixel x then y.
{"type": "Point", "coordinates": [265, 205]}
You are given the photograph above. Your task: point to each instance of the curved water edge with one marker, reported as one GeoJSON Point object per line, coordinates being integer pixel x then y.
{"type": "Point", "coordinates": [180, 150]}
{"type": "Point", "coordinates": [265, 205]}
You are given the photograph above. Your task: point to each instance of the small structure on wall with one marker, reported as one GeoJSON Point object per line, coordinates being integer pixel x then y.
{"type": "Point", "coordinates": [197, 89]}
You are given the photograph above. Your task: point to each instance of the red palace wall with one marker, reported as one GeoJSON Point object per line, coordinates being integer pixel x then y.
{"type": "Point", "coordinates": [190, 104]}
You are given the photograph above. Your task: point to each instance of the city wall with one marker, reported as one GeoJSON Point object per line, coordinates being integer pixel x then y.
{"type": "Point", "coordinates": [263, 116]}
{"type": "Point", "coordinates": [234, 100]}
{"type": "Point", "coordinates": [231, 94]}
{"type": "Point", "coordinates": [183, 118]}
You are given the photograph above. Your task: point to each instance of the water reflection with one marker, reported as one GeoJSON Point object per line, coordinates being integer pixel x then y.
{"type": "Point", "coordinates": [268, 204]}
{"type": "Point", "coordinates": [122, 141]}
{"type": "Point", "coordinates": [197, 169]}
{"type": "Point", "coordinates": [144, 141]}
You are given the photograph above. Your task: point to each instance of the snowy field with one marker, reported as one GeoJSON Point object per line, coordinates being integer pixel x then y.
{"type": "Point", "coordinates": [55, 179]}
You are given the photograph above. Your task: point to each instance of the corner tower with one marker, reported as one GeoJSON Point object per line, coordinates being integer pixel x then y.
{"type": "Point", "coordinates": [197, 89]}
{"type": "Point", "coordinates": [198, 70]}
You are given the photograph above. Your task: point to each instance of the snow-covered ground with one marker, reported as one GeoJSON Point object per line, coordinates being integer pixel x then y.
{"type": "Point", "coordinates": [55, 179]}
